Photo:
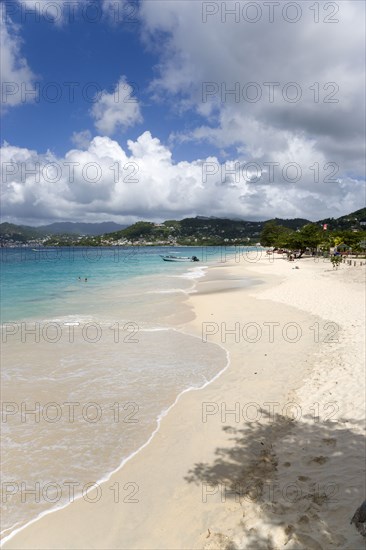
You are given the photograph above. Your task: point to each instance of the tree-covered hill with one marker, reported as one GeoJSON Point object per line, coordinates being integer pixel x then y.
{"type": "Point", "coordinates": [21, 233]}
{"type": "Point", "coordinates": [189, 231]}
{"type": "Point", "coordinates": [350, 221]}
{"type": "Point", "coordinates": [347, 233]}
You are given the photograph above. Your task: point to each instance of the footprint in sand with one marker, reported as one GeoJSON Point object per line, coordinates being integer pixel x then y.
{"type": "Point", "coordinates": [309, 542]}
{"type": "Point", "coordinates": [319, 459]}
{"type": "Point", "coordinates": [219, 542]}
{"type": "Point", "coordinates": [331, 441]}
{"type": "Point", "coordinates": [304, 520]}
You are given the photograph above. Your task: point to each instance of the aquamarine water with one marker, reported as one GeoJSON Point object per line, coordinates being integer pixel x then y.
{"type": "Point", "coordinates": [113, 342]}
{"type": "Point", "coordinates": [35, 282]}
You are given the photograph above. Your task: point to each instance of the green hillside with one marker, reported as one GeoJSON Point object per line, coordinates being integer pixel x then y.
{"type": "Point", "coordinates": [200, 230]}
{"type": "Point", "coordinates": [21, 233]}
{"type": "Point", "coordinates": [350, 221]}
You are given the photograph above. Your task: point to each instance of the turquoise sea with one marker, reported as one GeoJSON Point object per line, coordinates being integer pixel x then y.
{"type": "Point", "coordinates": [36, 282]}
{"type": "Point", "coordinates": [94, 353]}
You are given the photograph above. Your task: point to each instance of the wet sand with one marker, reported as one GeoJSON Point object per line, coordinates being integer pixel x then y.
{"type": "Point", "coordinates": [270, 454]}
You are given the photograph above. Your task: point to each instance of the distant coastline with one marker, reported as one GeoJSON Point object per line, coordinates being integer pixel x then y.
{"type": "Point", "coordinates": [199, 231]}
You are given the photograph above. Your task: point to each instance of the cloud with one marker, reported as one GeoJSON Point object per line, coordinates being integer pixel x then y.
{"type": "Point", "coordinates": [118, 11]}
{"type": "Point", "coordinates": [107, 182]}
{"type": "Point", "coordinates": [260, 84]}
{"type": "Point", "coordinates": [57, 11]}
{"type": "Point", "coordinates": [118, 110]}
{"type": "Point", "coordinates": [15, 74]}
{"type": "Point", "coordinates": [62, 12]}
{"type": "Point", "coordinates": [81, 139]}
{"type": "Point", "coordinates": [293, 156]}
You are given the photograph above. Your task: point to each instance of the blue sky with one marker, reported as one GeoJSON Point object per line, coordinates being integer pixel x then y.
{"type": "Point", "coordinates": [76, 52]}
{"type": "Point", "coordinates": [185, 147]}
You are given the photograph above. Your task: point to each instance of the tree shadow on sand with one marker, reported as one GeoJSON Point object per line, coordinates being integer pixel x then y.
{"type": "Point", "coordinates": [292, 474]}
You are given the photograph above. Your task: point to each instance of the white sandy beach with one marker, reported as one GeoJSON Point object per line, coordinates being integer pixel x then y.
{"type": "Point", "coordinates": [269, 455]}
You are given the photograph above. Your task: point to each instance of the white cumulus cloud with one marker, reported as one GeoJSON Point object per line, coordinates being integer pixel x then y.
{"type": "Point", "coordinates": [107, 182]}
{"type": "Point", "coordinates": [117, 110]}
{"type": "Point", "coordinates": [16, 77]}
{"type": "Point", "coordinates": [260, 81]}
{"type": "Point", "coordinates": [81, 139]}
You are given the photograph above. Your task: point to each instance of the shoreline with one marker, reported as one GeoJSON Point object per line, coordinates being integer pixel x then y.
{"type": "Point", "coordinates": [170, 429]}
{"type": "Point", "coordinates": [125, 460]}
{"type": "Point", "coordinates": [191, 275]}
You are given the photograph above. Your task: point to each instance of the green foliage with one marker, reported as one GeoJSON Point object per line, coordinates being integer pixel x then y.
{"type": "Point", "coordinates": [294, 224]}
{"type": "Point", "coordinates": [309, 236]}
{"type": "Point", "coordinates": [135, 231]}
{"type": "Point", "coordinates": [345, 239]}
{"type": "Point", "coordinates": [274, 235]}
{"type": "Point", "coordinates": [172, 223]}
{"type": "Point", "coordinates": [346, 223]}
{"type": "Point", "coordinates": [336, 260]}
{"type": "Point", "coordinates": [139, 229]}
{"type": "Point", "coordinates": [296, 234]}
{"type": "Point", "coordinates": [352, 239]}
{"type": "Point", "coordinates": [18, 232]}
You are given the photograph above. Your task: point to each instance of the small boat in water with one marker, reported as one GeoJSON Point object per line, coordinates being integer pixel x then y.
{"type": "Point", "coordinates": [171, 258]}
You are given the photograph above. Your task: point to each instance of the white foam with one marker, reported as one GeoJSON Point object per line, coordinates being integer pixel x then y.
{"type": "Point", "coordinates": [133, 454]}
{"type": "Point", "coordinates": [171, 291]}
{"type": "Point", "coordinates": [194, 273]}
